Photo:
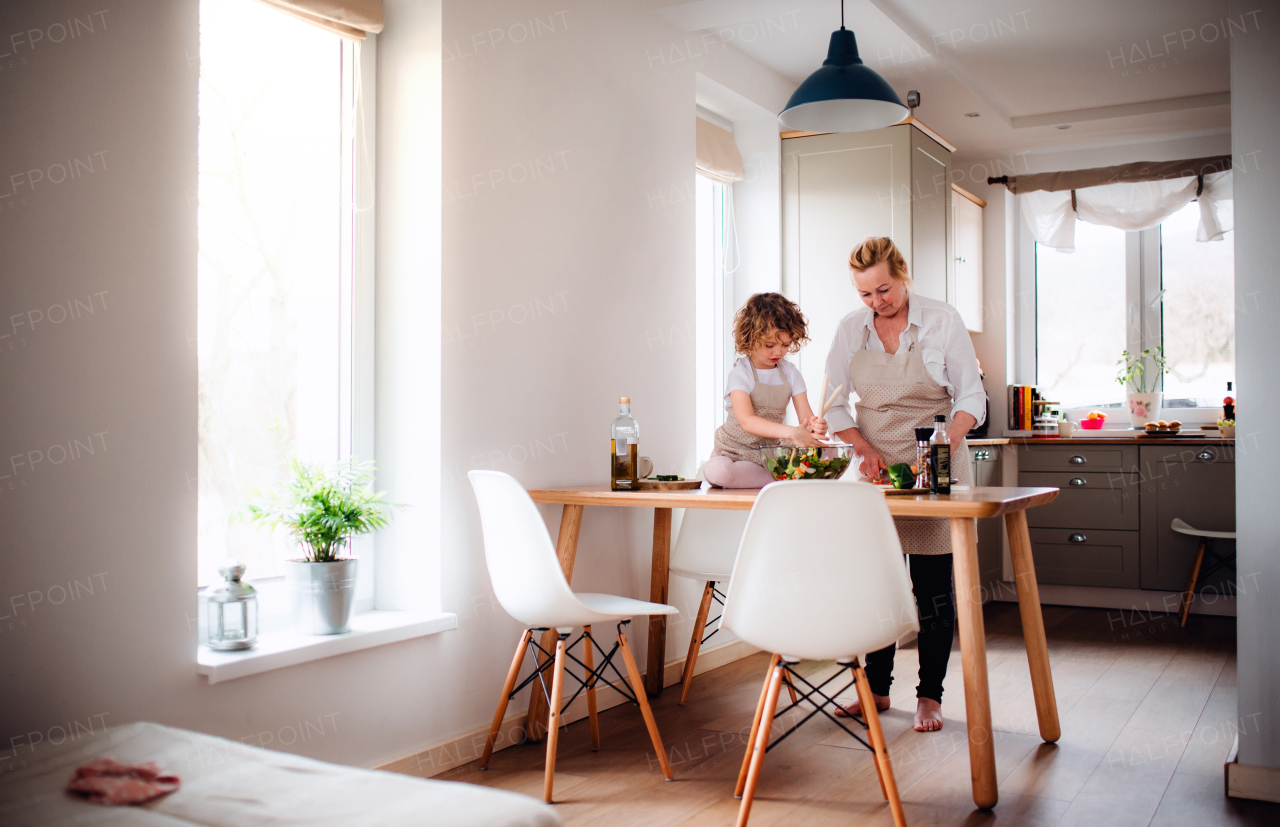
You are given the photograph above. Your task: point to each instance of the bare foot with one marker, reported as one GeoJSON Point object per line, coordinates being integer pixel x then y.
{"type": "Point", "coordinates": [855, 708]}
{"type": "Point", "coordinates": [928, 715]}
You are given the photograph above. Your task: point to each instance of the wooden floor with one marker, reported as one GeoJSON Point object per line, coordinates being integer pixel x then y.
{"type": "Point", "coordinates": [1148, 715]}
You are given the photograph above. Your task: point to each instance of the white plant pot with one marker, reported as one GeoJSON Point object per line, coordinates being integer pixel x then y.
{"type": "Point", "coordinates": [1144, 408]}
{"type": "Point", "coordinates": [321, 595]}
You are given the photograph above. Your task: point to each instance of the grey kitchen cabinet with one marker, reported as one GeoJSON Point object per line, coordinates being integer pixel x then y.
{"type": "Point", "coordinates": [986, 463]}
{"type": "Point", "coordinates": [1089, 499]}
{"type": "Point", "coordinates": [837, 190]}
{"type": "Point", "coordinates": [1198, 485]}
{"type": "Point", "coordinates": [1086, 557]}
{"type": "Point", "coordinates": [1109, 526]}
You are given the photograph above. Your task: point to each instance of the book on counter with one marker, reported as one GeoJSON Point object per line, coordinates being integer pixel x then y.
{"type": "Point", "coordinates": [1023, 401]}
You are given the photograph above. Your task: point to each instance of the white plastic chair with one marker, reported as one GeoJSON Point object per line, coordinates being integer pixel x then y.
{"type": "Point", "coordinates": [819, 576]}
{"type": "Point", "coordinates": [1206, 546]}
{"type": "Point", "coordinates": [531, 586]}
{"type": "Point", "coordinates": [705, 550]}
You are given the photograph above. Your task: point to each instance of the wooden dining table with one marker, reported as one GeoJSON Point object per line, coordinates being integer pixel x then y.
{"type": "Point", "coordinates": [961, 506]}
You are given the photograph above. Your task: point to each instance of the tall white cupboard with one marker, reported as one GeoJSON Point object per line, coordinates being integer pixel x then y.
{"type": "Point", "coordinates": [838, 189]}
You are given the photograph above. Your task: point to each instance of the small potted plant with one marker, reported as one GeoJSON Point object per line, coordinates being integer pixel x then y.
{"type": "Point", "coordinates": [1143, 400]}
{"type": "Point", "coordinates": [323, 508]}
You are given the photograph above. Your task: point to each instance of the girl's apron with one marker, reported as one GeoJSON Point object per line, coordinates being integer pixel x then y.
{"type": "Point", "coordinates": [768, 402]}
{"type": "Point", "coordinates": [896, 395]}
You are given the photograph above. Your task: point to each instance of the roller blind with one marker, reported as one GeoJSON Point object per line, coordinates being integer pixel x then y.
{"type": "Point", "coordinates": [352, 19]}
{"type": "Point", "coordinates": [717, 154]}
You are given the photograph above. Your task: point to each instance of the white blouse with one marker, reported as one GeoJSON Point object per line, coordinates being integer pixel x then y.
{"type": "Point", "coordinates": [739, 378]}
{"type": "Point", "coordinates": [947, 351]}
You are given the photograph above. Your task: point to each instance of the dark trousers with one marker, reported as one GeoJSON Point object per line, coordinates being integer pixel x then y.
{"type": "Point", "coordinates": [931, 584]}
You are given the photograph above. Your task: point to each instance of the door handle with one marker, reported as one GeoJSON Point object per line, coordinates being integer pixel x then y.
{"type": "Point", "coordinates": [1078, 538]}
{"type": "Point", "coordinates": [1077, 460]}
{"type": "Point", "coordinates": [1077, 481]}
{"type": "Point", "coordinates": [1206, 456]}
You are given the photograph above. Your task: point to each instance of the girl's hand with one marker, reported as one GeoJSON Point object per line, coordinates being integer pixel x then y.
{"type": "Point", "coordinates": [872, 465]}
{"type": "Point", "coordinates": [801, 437]}
{"type": "Point", "coordinates": [818, 426]}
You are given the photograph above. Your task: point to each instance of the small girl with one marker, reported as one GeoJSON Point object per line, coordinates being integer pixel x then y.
{"type": "Point", "coordinates": [757, 389]}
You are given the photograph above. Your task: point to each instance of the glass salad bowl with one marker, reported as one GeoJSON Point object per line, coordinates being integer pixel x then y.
{"type": "Point", "coordinates": [827, 462]}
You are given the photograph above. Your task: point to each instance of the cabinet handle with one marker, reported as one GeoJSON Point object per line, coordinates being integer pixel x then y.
{"type": "Point", "coordinates": [1077, 481]}
{"type": "Point", "coordinates": [1077, 460]}
{"type": "Point", "coordinates": [1078, 538]}
{"type": "Point", "coordinates": [1206, 456]}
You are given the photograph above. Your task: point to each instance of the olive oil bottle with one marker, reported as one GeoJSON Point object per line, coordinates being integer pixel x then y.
{"type": "Point", "coordinates": [940, 457]}
{"type": "Point", "coordinates": [625, 450]}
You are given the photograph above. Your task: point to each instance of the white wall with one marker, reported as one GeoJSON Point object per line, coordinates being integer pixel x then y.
{"type": "Point", "coordinates": [1255, 143]}
{"type": "Point", "coordinates": [567, 239]}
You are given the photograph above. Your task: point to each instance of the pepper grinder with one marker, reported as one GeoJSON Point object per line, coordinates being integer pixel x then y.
{"type": "Point", "coordinates": [922, 456]}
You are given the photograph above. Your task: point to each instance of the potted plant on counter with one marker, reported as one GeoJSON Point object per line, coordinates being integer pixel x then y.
{"type": "Point", "coordinates": [323, 508]}
{"type": "Point", "coordinates": [1143, 399]}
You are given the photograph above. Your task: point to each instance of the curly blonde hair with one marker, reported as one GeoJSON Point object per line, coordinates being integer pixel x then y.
{"type": "Point", "coordinates": [764, 312]}
{"type": "Point", "coordinates": [875, 250]}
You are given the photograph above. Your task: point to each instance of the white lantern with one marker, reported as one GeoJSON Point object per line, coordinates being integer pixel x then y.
{"type": "Point", "coordinates": [231, 611]}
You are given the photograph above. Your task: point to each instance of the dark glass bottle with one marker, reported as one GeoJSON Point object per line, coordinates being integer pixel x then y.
{"type": "Point", "coordinates": [939, 457]}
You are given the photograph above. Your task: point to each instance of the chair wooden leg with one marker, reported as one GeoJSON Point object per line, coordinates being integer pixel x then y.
{"type": "Point", "coordinates": [553, 722]}
{"type": "Point", "coordinates": [755, 729]}
{"type": "Point", "coordinates": [871, 715]}
{"type": "Point", "coordinates": [1190, 593]}
{"type": "Point", "coordinates": [695, 642]}
{"type": "Point", "coordinates": [512, 674]}
{"type": "Point", "coordinates": [761, 744]}
{"type": "Point", "coordinates": [637, 687]}
{"type": "Point", "coordinates": [791, 688]}
{"type": "Point", "coordinates": [589, 660]}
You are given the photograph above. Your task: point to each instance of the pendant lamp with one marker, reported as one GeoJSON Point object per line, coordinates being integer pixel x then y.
{"type": "Point", "coordinates": [844, 95]}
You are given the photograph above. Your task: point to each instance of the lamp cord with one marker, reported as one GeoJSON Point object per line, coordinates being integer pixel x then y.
{"type": "Point", "coordinates": [842, 14]}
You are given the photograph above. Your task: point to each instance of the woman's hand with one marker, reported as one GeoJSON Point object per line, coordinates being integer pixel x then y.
{"type": "Point", "coordinates": [802, 437]}
{"type": "Point", "coordinates": [818, 426]}
{"type": "Point", "coordinates": [872, 465]}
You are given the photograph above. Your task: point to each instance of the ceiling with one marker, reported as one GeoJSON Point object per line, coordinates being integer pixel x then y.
{"type": "Point", "coordinates": [1108, 71]}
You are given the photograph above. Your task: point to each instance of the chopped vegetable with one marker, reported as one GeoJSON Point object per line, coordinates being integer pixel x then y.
{"type": "Point", "coordinates": [901, 475]}
{"type": "Point", "coordinates": [806, 464]}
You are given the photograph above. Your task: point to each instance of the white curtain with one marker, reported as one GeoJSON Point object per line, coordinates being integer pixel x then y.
{"type": "Point", "coordinates": [717, 156]}
{"type": "Point", "coordinates": [352, 19]}
{"type": "Point", "coordinates": [1128, 206]}
{"type": "Point", "coordinates": [1217, 209]}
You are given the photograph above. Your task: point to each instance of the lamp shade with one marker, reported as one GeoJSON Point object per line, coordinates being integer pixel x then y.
{"type": "Point", "coordinates": [844, 95]}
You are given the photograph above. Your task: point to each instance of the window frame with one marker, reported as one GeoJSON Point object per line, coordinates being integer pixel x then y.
{"type": "Point", "coordinates": [1143, 313]}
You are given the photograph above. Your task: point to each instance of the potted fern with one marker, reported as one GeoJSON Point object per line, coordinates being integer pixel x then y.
{"type": "Point", "coordinates": [1143, 400]}
{"type": "Point", "coordinates": [323, 508]}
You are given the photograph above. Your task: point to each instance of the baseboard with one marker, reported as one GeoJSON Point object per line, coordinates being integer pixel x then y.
{"type": "Point", "coordinates": [1149, 601]}
{"type": "Point", "coordinates": [455, 751]}
{"type": "Point", "coordinates": [1247, 781]}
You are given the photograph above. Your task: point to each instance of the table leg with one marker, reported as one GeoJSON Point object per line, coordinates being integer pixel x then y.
{"type": "Point", "coordinates": [661, 573]}
{"type": "Point", "coordinates": [535, 724]}
{"type": "Point", "coordinates": [1024, 572]}
{"type": "Point", "coordinates": [973, 656]}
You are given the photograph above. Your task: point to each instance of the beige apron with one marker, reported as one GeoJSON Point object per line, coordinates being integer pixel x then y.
{"type": "Point", "coordinates": [768, 402]}
{"type": "Point", "coordinates": [896, 395]}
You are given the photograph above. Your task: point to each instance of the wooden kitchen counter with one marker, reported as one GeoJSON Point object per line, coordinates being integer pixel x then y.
{"type": "Point", "coordinates": [1154, 442]}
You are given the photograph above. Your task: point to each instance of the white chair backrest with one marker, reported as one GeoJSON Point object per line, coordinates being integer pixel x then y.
{"type": "Point", "coordinates": [820, 573]}
{"type": "Point", "coordinates": [708, 542]}
{"type": "Point", "coordinates": [522, 561]}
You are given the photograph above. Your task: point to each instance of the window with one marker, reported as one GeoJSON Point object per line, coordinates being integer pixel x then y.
{"type": "Point", "coordinates": [1198, 309]}
{"type": "Point", "coordinates": [1134, 291]}
{"type": "Point", "coordinates": [1080, 317]}
{"type": "Point", "coordinates": [274, 275]}
{"type": "Point", "coordinates": [714, 249]}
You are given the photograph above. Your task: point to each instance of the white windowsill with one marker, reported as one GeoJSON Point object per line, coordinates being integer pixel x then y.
{"type": "Point", "coordinates": [276, 650]}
